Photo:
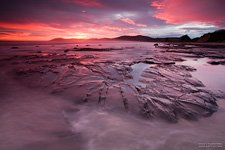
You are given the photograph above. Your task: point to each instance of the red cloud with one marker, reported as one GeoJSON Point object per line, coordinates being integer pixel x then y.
{"type": "Point", "coordinates": [39, 31]}
{"type": "Point", "coordinates": [27, 31]}
{"type": "Point", "coordinates": [26, 26]}
{"type": "Point", "coordinates": [184, 11]}
{"type": "Point", "coordinates": [87, 3]}
{"type": "Point", "coordinates": [8, 35]}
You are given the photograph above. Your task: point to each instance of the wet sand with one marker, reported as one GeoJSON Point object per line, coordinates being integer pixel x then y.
{"type": "Point", "coordinates": [115, 95]}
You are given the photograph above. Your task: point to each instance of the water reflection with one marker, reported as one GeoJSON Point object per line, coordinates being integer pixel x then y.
{"type": "Point", "coordinates": [211, 75]}
{"type": "Point", "coordinates": [136, 72]}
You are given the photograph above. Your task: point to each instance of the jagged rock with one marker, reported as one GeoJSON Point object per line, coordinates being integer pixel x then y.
{"type": "Point", "coordinates": [164, 90]}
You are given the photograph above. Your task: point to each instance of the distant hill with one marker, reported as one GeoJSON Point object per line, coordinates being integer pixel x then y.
{"type": "Point", "coordinates": [217, 36]}
{"type": "Point", "coordinates": [63, 40]}
{"type": "Point", "coordinates": [136, 38]}
{"type": "Point", "coordinates": [184, 38]}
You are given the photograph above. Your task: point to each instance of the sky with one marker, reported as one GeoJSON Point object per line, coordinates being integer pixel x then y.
{"type": "Point", "coordinates": [83, 19]}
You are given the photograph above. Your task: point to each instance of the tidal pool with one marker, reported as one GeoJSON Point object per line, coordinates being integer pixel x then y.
{"type": "Point", "coordinates": [212, 76]}
{"type": "Point", "coordinates": [137, 70]}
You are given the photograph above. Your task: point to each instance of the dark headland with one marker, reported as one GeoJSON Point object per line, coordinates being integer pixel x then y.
{"type": "Point", "coordinates": [214, 37]}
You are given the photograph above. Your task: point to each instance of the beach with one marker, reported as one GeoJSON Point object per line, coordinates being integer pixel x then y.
{"type": "Point", "coordinates": [111, 95]}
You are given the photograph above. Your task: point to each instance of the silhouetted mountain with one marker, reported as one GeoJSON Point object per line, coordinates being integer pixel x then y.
{"type": "Point", "coordinates": [63, 40]}
{"type": "Point", "coordinates": [136, 38]}
{"type": "Point", "coordinates": [217, 36]}
{"type": "Point", "coordinates": [184, 38]}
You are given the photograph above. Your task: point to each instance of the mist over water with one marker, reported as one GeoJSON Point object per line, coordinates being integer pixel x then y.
{"type": "Point", "coordinates": [123, 131]}
{"type": "Point", "coordinates": [36, 119]}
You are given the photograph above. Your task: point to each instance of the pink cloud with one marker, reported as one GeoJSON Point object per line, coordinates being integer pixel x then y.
{"type": "Point", "coordinates": [132, 22]}
{"type": "Point", "coordinates": [39, 31]}
{"type": "Point", "coordinates": [157, 4]}
{"type": "Point", "coordinates": [117, 28]}
{"type": "Point", "coordinates": [184, 11]}
{"type": "Point", "coordinates": [87, 3]}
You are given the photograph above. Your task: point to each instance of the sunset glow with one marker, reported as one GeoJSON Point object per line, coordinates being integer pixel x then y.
{"type": "Point", "coordinates": [44, 20]}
